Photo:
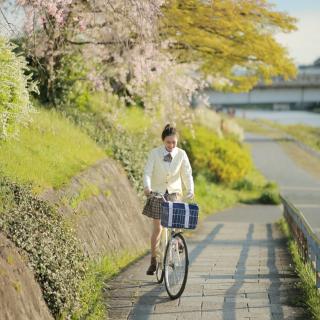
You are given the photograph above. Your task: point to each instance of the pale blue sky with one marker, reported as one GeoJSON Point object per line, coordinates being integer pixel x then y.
{"type": "Point", "coordinates": [294, 6]}
{"type": "Point", "coordinates": [304, 44]}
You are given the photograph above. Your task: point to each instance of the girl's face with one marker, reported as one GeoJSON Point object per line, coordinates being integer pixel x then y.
{"type": "Point", "coordinates": [170, 142]}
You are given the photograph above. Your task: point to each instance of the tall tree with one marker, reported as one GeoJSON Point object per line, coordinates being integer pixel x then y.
{"type": "Point", "coordinates": [117, 35]}
{"type": "Point", "coordinates": [231, 40]}
{"type": "Point", "coordinates": [113, 45]}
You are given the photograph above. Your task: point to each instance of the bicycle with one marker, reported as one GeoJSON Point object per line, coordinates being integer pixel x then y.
{"type": "Point", "coordinates": [172, 259]}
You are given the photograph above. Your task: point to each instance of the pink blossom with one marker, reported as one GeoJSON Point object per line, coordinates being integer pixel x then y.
{"type": "Point", "coordinates": [82, 25]}
{"type": "Point", "coordinates": [59, 17]}
{"type": "Point", "coordinates": [96, 81]}
{"type": "Point", "coordinates": [132, 55]}
{"type": "Point", "coordinates": [52, 9]}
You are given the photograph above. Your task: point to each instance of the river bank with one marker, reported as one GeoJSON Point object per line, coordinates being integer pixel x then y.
{"type": "Point", "coordinates": [282, 117]}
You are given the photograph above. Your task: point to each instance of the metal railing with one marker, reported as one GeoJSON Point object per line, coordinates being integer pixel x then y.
{"type": "Point", "coordinates": [307, 241]}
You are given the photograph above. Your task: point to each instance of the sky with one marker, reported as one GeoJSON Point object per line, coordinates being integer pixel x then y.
{"type": "Point", "coordinates": [304, 44]}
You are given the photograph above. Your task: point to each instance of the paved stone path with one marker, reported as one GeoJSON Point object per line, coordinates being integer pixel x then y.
{"type": "Point", "coordinates": [297, 184]}
{"type": "Point", "coordinates": [239, 269]}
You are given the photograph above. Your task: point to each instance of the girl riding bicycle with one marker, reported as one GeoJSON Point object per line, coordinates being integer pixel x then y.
{"type": "Point", "coordinates": [166, 169]}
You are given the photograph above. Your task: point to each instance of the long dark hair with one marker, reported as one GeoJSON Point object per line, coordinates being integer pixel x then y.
{"type": "Point", "coordinates": [168, 130]}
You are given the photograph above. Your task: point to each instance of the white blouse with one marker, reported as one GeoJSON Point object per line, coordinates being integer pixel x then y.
{"type": "Point", "coordinates": [160, 175]}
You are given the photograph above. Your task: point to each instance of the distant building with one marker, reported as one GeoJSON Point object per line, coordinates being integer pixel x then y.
{"type": "Point", "coordinates": [300, 93]}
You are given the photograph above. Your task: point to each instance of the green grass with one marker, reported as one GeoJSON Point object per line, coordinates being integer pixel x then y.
{"type": "Point", "coordinates": [93, 301]}
{"type": "Point", "coordinates": [88, 190]}
{"type": "Point", "coordinates": [48, 152]}
{"type": "Point", "coordinates": [254, 188]}
{"type": "Point", "coordinates": [310, 296]}
{"type": "Point", "coordinates": [252, 126]}
{"type": "Point", "coordinates": [306, 134]}
{"type": "Point", "coordinates": [212, 197]}
{"type": "Point", "coordinates": [135, 120]}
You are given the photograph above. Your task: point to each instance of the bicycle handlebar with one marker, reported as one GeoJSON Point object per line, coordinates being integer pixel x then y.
{"type": "Point", "coordinates": [156, 194]}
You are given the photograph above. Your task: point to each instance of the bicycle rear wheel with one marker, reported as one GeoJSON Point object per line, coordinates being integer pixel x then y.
{"type": "Point", "coordinates": [176, 265]}
{"type": "Point", "coordinates": [159, 272]}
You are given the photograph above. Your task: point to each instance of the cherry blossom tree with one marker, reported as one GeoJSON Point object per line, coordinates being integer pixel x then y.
{"type": "Point", "coordinates": [120, 37]}
{"type": "Point", "coordinates": [139, 50]}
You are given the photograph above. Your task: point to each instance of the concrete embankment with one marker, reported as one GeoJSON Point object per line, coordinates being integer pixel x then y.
{"type": "Point", "coordinates": [105, 212]}
{"type": "Point", "coordinates": [20, 294]}
{"type": "Point", "coordinates": [104, 209]}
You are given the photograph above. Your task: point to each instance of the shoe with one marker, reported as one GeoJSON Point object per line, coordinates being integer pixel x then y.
{"type": "Point", "coordinates": [153, 267]}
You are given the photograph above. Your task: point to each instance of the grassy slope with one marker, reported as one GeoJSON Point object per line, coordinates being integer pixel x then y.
{"type": "Point", "coordinates": [48, 152]}
{"type": "Point", "coordinates": [273, 130]}
{"type": "Point", "coordinates": [303, 133]}
{"type": "Point", "coordinates": [134, 120]}
{"type": "Point", "coordinates": [306, 134]}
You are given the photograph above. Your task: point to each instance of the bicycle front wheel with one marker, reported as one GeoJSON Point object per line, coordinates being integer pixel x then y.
{"type": "Point", "coordinates": [176, 266]}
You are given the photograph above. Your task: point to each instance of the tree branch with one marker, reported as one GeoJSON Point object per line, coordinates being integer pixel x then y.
{"type": "Point", "coordinates": [10, 25]}
{"type": "Point", "coordinates": [80, 43]}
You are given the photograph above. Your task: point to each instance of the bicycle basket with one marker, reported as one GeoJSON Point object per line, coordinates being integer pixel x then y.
{"type": "Point", "coordinates": [179, 215]}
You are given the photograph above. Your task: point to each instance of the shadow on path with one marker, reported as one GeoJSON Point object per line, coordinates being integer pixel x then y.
{"type": "Point", "coordinates": [229, 305]}
{"type": "Point", "coordinates": [145, 304]}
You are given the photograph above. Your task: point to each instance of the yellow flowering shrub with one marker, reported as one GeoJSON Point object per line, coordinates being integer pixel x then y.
{"type": "Point", "coordinates": [220, 159]}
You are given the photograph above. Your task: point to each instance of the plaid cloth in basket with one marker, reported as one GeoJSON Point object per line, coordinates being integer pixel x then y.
{"type": "Point", "coordinates": [179, 215]}
{"type": "Point", "coordinates": [152, 208]}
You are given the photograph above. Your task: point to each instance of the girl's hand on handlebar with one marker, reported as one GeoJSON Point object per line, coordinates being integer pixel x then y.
{"type": "Point", "coordinates": [147, 191]}
{"type": "Point", "coordinates": [190, 196]}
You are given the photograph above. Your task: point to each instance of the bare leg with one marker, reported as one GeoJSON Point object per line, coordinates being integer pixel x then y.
{"type": "Point", "coordinates": [156, 233]}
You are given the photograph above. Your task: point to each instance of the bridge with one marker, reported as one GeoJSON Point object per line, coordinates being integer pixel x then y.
{"type": "Point", "coordinates": [302, 92]}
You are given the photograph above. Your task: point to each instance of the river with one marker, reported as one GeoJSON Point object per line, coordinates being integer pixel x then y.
{"type": "Point", "coordinates": [282, 117]}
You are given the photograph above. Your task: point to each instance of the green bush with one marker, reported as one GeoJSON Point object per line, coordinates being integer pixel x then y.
{"type": "Point", "coordinates": [73, 89]}
{"type": "Point", "coordinates": [271, 185]}
{"type": "Point", "coordinates": [70, 84]}
{"type": "Point", "coordinates": [220, 159]}
{"type": "Point", "coordinates": [254, 188]}
{"type": "Point", "coordinates": [270, 196]}
{"type": "Point", "coordinates": [53, 251]}
{"type": "Point", "coordinates": [15, 106]}
{"type": "Point", "coordinates": [131, 150]}
{"type": "Point", "coordinates": [244, 184]}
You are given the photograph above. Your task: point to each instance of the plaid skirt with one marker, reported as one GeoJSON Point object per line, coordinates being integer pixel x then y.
{"type": "Point", "coordinates": [152, 208]}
